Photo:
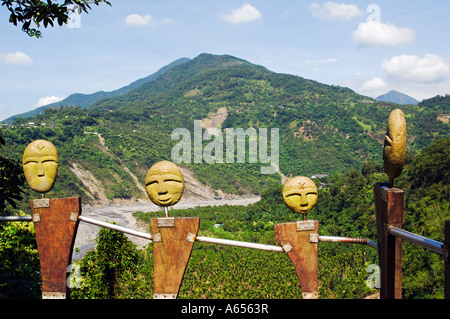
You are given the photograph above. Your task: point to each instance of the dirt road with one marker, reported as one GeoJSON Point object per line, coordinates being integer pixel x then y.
{"type": "Point", "coordinates": [123, 216]}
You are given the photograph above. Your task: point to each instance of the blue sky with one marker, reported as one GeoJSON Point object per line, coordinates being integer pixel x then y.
{"type": "Point", "coordinates": [369, 46]}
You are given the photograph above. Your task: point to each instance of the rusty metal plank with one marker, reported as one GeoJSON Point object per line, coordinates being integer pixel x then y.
{"type": "Point", "coordinates": [171, 254]}
{"type": "Point", "coordinates": [55, 237]}
{"type": "Point", "coordinates": [302, 252]}
{"type": "Point", "coordinates": [389, 212]}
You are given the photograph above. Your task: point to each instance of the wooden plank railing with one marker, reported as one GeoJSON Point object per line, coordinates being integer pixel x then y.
{"type": "Point", "coordinates": [389, 215]}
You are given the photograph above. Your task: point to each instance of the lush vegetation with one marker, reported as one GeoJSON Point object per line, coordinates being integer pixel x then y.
{"type": "Point", "coordinates": [117, 269]}
{"type": "Point", "coordinates": [346, 208]}
{"type": "Point", "coordinates": [323, 129]}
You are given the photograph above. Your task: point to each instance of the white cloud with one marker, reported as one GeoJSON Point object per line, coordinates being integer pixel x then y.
{"type": "Point", "coordinates": [47, 100]}
{"type": "Point", "coordinates": [374, 85]}
{"type": "Point", "coordinates": [375, 33]}
{"type": "Point", "coordinates": [430, 68]}
{"type": "Point", "coordinates": [137, 19]}
{"type": "Point", "coordinates": [332, 11]}
{"type": "Point", "coordinates": [140, 20]}
{"type": "Point", "coordinates": [15, 58]}
{"type": "Point", "coordinates": [246, 13]}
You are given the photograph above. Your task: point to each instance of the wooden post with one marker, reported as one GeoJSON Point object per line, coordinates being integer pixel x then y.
{"type": "Point", "coordinates": [55, 224]}
{"type": "Point", "coordinates": [446, 259]}
{"type": "Point", "coordinates": [299, 240]}
{"type": "Point", "coordinates": [389, 212]}
{"type": "Point", "coordinates": [173, 241]}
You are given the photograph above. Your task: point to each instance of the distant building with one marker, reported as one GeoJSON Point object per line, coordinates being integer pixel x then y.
{"type": "Point", "coordinates": [319, 176]}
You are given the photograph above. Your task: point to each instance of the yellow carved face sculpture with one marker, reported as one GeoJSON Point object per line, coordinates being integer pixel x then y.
{"type": "Point", "coordinates": [395, 144]}
{"type": "Point", "coordinates": [164, 183]}
{"type": "Point", "coordinates": [40, 165]}
{"type": "Point", "coordinates": [300, 194]}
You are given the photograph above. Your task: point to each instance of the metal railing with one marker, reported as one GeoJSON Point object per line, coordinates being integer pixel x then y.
{"type": "Point", "coordinates": [425, 242]}
{"type": "Point", "coordinates": [203, 239]}
{"type": "Point", "coordinates": [389, 218]}
{"type": "Point", "coordinates": [15, 218]}
{"type": "Point", "coordinates": [116, 227]}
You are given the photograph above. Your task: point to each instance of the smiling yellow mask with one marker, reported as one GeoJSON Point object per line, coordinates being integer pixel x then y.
{"type": "Point", "coordinates": [164, 183]}
{"type": "Point", "coordinates": [300, 194]}
{"type": "Point", "coordinates": [40, 165]}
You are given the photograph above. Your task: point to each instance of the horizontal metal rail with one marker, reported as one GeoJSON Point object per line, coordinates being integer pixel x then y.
{"type": "Point", "coordinates": [350, 240]}
{"type": "Point", "coordinates": [219, 241]}
{"type": "Point", "coordinates": [334, 239]}
{"type": "Point", "coordinates": [425, 242]}
{"type": "Point", "coordinates": [115, 227]}
{"type": "Point", "coordinates": [15, 218]}
{"type": "Point", "coordinates": [237, 243]}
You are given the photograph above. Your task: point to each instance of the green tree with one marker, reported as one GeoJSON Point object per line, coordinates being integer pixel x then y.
{"type": "Point", "coordinates": [11, 181]}
{"type": "Point", "coordinates": [20, 273]}
{"type": "Point", "coordinates": [103, 269]}
{"type": "Point", "coordinates": [46, 12]}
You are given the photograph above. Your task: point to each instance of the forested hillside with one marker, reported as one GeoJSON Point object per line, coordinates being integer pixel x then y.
{"type": "Point", "coordinates": [323, 129]}
{"type": "Point", "coordinates": [344, 209]}
{"type": "Point", "coordinates": [86, 100]}
{"type": "Point", "coordinates": [106, 149]}
{"type": "Point", "coordinates": [117, 269]}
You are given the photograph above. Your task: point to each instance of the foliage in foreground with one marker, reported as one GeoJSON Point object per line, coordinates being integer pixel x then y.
{"type": "Point", "coordinates": [117, 269]}
{"type": "Point", "coordinates": [344, 209]}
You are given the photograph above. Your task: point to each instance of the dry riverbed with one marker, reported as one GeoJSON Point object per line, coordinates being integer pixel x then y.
{"type": "Point", "coordinates": [123, 216]}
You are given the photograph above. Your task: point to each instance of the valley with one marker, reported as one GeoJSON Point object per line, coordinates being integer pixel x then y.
{"type": "Point", "coordinates": [122, 215]}
{"type": "Point", "coordinates": [106, 148]}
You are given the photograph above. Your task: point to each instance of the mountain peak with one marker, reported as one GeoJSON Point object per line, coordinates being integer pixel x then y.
{"type": "Point", "coordinates": [397, 97]}
{"type": "Point", "coordinates": [86, 100]}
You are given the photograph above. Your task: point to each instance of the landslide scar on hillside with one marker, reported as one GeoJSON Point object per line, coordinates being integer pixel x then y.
{"type": "Point", "coordinates": [213, 122]}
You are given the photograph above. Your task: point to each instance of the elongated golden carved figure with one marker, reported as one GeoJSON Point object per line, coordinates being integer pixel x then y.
{"type": "Point", "coordinates": [164, 184]}
{"type": "Point", "coordinates": [40, 165]}
{"type": "Point", "coordinates": [394, 145]}
{"type": "Point", "coordinates": [300, 194]}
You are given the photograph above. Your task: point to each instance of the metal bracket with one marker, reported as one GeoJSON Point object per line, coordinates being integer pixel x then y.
{"type": "Point", "coordinates": [157, 237]}
{"type": "Point", "coordinates": [166, 222]}
{"type": "Point", "coordinates": [310, 295]}
{"type": "Point", "coordinates": [41, 203]}
{"type": "Point", "coordinates": [287, 247]}
{"type": "Point", "coordinates": [36, 218]}
{"type": "Point", "coordinates": [313, 238]}
{"type": "Point", "coordinates": [191, 237]}
{"type": "Point", "coordinates": [73, 216]}
{"type": "Point", "coordinates": [164, 296]}
{"type": "Point", "coordinates": [53, 295]}
{"type": "Point", "coordinates": [387, 226]}
{"type": "Point", "coordinates": [305, 225]}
